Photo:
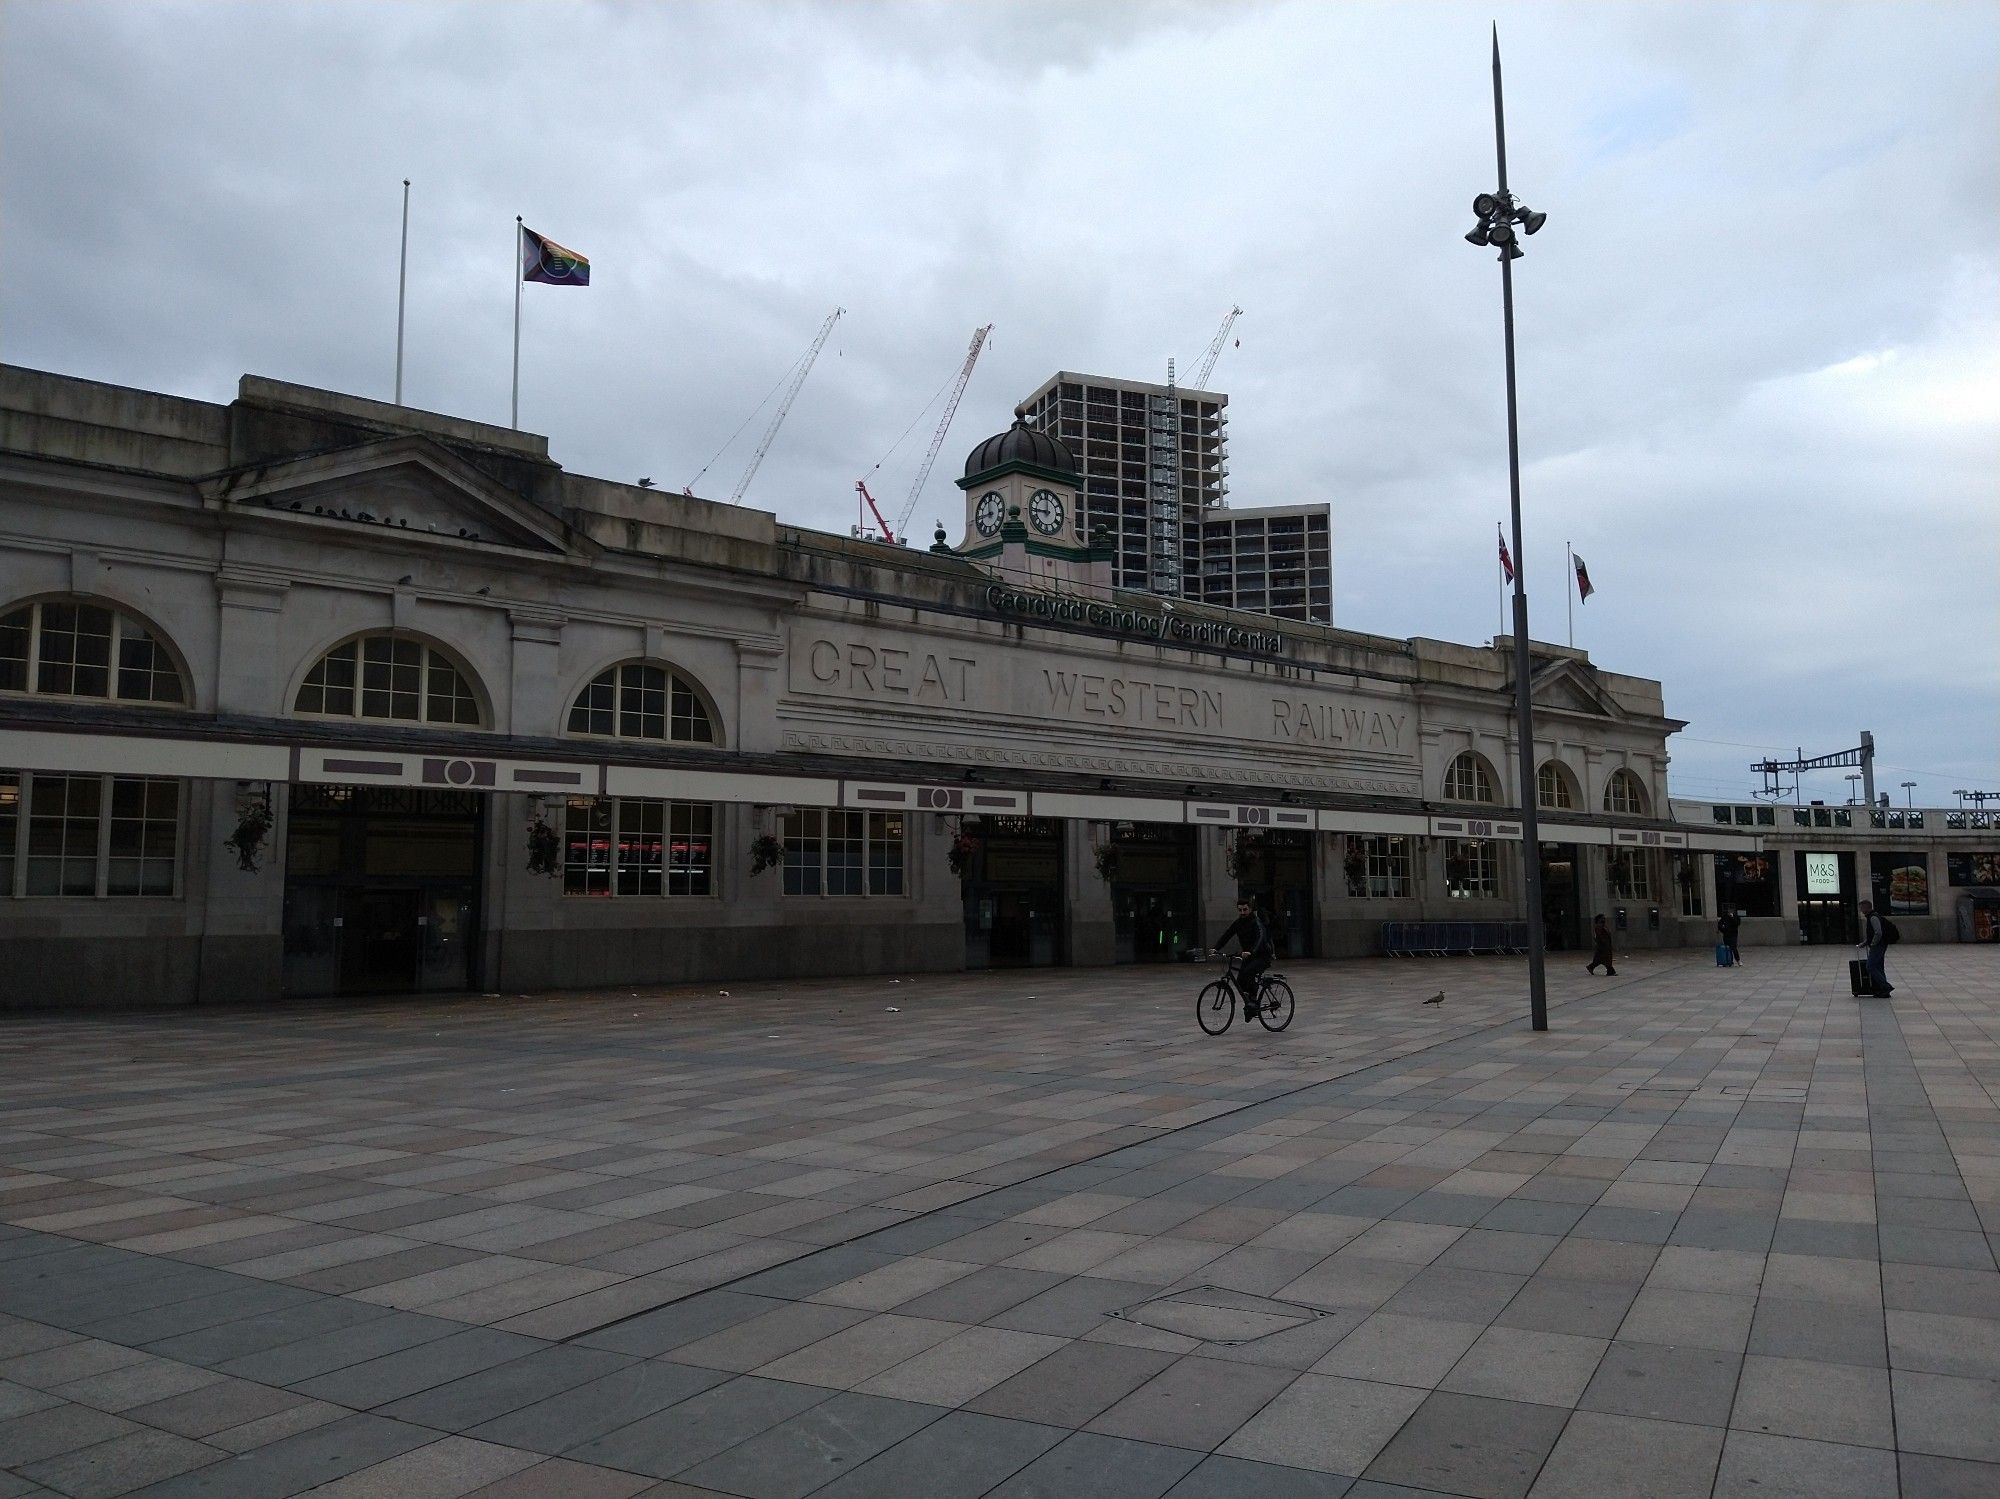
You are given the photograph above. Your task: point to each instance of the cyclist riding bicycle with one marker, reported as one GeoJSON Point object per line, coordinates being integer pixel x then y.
{"type": "Point", "coordinates": [1254, 933]}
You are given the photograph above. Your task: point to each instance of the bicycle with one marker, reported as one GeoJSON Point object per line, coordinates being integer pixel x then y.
{"type": "Point", "coordinates": [1217, 1006]}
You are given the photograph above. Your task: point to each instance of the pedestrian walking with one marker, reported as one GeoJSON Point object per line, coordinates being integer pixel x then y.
{"type": "Point", "coordinates": [1874, 947]}
{"type": "Point", "coordinates": [1600, 948]}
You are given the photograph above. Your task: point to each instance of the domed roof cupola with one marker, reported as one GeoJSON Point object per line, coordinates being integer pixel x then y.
{"type": "Point", "coordinates": [1020, 447]}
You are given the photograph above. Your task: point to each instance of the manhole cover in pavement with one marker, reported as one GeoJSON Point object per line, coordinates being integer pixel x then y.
{"type": "Point", "coordinates": [1216, 1315]}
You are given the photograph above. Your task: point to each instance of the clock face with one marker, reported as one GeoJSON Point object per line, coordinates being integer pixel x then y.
{"type": "Point", "coordinates": [1045, 509]}
{"type": "Point", "coordinates": [991, 510]}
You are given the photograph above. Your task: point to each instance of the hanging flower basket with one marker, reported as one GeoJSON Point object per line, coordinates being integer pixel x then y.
{"type": "Point", "coordinates": [1107, 863]}
{"type": "Point", "coordinates": [959, 855]}
{"type": "Point", "coordinates": [544, 848]}
{"type": "Point", "coordinates": [765, 852]}
{"type": "Point", "coordinates": [252, 828]}
{"type": "Point", "coordinates": [1232, 856]}
{"type": "Point", "coordinates": [1355, 867]}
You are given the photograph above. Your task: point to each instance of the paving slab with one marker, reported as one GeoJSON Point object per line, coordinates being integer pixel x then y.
{"type": "Point", "coordinates": [1706, 1202]}
{"type": "Point", "coordinates": [1473, 1445]}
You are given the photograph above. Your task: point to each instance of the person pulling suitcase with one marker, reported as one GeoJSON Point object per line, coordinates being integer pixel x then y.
{"type": "Point", "coordinates": [1877, 932]}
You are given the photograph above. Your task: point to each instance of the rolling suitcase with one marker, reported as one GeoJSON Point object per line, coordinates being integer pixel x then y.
{"type": "Point", "coordinates": [1722, 957]}
{"type": "Point", "coordinates": [1857, 979]}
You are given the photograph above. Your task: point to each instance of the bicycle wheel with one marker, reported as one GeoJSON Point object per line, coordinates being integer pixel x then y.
{"type": "Point", "coordinates": [1278, 1004]}
{"type": "Point", "coordinates": [1216, 1007]}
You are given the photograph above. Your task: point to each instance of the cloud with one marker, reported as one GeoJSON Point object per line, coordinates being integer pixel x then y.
{"type": "Point", "coordinates": [1756, 341]}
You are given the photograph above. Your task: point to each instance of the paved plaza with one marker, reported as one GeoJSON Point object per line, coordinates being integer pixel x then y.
{"type": "Point", "coordinates": [1720, 1232]}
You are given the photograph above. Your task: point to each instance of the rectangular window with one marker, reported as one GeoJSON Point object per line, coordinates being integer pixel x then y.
{"type": "Point", "coordinates": [1900, 883]}
{"type": "Point", "coordinates": [1377, 868]}
{"type": "Point", "coordinates": [16, 630]}
{"type": "Point", "coordinates": [885, 853]}
{"type": "Point", "coordinates": [146, 673]}
{"type": "Point", "coordinates": [843, 853]}
{"type": "Point", "coordinates": [638, 846]}
{"type": "Point", "coordinates": [1960, 869]}
{"type": "Point", "coordinates": [1746, 884]}
{"type": "Point", "coordinates": [592, 713]}
{"type": "Point", "coordinates": [62, 834]}
{"type": "Point", "coordinates": [1686, 875]}
{"type": "Point", "coordinates": [1631, 873]}
{"type": "Point", "coordinates": [642, 847]}
{"type": "Point", "coordinates": [392, 673]}
{"type": "Point", "coordinates": [1471, 868]}
{"type": "Point", "coordinates": [145, 819]}
{"type": "Point", "coordinates": [690, 848]}
{"type": "Point", "coordinates": [846, 838]}
{"type": "Point", "coordinates": [10, 826]}
{"type": "Point", "coordinates": [76, 650]}
{"type": "Point", "coordinates": [451, 699]}
{"type": "Point", "coordinates": [88, 835]}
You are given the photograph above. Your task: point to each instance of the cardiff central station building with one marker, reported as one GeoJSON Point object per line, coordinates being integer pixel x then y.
{"type": "Point", "coordinates": [306, 695]}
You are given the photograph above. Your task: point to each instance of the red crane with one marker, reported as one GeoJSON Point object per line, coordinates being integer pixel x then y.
{"type": "Point", "coordinates": [895, 534]}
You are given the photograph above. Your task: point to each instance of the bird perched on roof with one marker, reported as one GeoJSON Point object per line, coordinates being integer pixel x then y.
{"type": "Point", "coordinates": [1436, 999]}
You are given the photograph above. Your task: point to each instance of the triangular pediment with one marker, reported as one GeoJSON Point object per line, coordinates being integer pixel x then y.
{"type": "Point", "coordinates": [1567, 687]}
{"type": "Point", "coordinates": [408, 484]}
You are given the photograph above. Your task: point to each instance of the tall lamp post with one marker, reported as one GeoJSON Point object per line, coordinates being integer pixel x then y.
{"type": "Point", "coordinates": [1498, 213]}
{"type": "Point", "coordinates": [1909, 793]}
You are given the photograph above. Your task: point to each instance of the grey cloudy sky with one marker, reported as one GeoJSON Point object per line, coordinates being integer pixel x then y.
{"type": "Point", "coordinates": [1759, 367]}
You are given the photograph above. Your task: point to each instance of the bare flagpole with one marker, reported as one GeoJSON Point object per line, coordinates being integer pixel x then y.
{"type": "Point", "coordinates": [1569, 592]}
{"type": "Point", "coordinates": [402, 287]}
{"type": "Point", "coordinates": [514, 420]}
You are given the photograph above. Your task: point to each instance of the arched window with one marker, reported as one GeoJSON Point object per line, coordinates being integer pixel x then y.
{"type": "Point", "coordinates": [639, 700]}
{"type": "Point", "coordinates": [397, 677]}
{"type": "Point", "coordinates": [1467, 779]}
{"type": "Point", "coordinates": [1552, 789]}
{"type": "Point", "coordinates": [1623, 793]}
{"type": "Point", "coordinates": [76, 648]}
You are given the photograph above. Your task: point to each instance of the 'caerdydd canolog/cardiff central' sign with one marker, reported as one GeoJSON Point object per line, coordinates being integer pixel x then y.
{"type": "Point", "coordinates": [1175, 629]}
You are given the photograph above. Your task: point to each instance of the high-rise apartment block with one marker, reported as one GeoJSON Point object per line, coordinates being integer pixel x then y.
{"type": "Point", "coordinates": [1153, 462]}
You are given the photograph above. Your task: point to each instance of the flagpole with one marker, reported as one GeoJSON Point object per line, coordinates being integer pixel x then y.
{"type": "Point", "coordinates": [402, 287]}
{"type": "Point", "coordinates": [1569, 593]}
{"type": "Point", "coordinates": [514, 420]}
{"type": "Point", "coordinates": [1500, 569]}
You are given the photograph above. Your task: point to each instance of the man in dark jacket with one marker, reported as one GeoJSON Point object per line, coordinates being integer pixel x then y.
{"type": "Point", "coordinates": [1254, 933]}
{"type": "Point", "coordinates": [1874, 947]}
{"type": "Point", "coordinates": [1600, 948]}
{"type": "Point", "coordinates": [1727, 928]}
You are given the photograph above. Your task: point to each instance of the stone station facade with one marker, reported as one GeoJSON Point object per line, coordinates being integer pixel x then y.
{"type": "Point", "coordinates": [310, 694]}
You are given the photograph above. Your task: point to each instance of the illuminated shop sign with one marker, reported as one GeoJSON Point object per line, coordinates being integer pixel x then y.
{"type": "Point", "coordinates": [1822, 874]}
{"type": "Point", "coordinates": [1166, 627]}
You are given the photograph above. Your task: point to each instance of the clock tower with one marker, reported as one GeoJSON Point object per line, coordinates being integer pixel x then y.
{"type": "Point", "coordinates": [1021, 519]}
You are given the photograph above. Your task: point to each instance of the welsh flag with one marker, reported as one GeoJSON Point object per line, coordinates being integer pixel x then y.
{"type": "Point", "coordinates": [1583, 588]}
{"type": "Point", "coordinates": [542, 259]}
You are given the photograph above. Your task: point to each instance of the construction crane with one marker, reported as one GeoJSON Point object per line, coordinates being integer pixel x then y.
{"type": "Point", "coordinates": [896, 534]}
{"type": "Point", "coordinates": [943, 426]}
{"type": "Point", "coordinates": [798, 378]}
{"type": "Point", "coordinates": [1214, 353]}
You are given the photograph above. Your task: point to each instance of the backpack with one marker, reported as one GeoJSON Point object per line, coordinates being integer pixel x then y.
{"type": "Point", "coordinates": [1890, 936]}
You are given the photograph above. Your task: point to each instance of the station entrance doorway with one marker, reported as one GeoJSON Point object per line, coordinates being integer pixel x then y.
{"type": "Point", "coordinates": [1562, 901]}
{"type": "Point", "coordinates": [1013, 891]}
{"type": "Point", "coordinates": [1154, 911]}
{"type": "Point", "coordinates": [1274, 873]}
{"type": "Point", "coordinates": [1828, 904]}
{"type": "Point", "coordinates": [381, 890]}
